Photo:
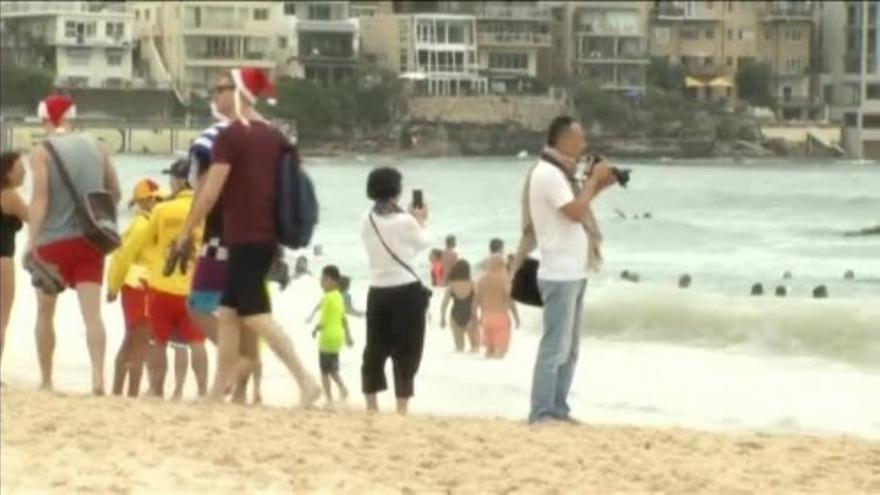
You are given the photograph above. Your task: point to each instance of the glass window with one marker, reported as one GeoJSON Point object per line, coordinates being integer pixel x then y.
{"type": "Point", "coordinates": [729, 34]}
{"type": "Point", "coordinates": [91, 29]}
{"type": "Point", "coordinates": [456, 33]}
{"type": "Point", "coordinates": [261, 14]}
{"type": "Point", "coordinates": [319, 12]}
{"type": "Point", "coordinates": [689, 34]}
{"type": "Point", "coordinates": [710, 34]}
{"type": "Point", "coordinates": [730, 61]}
{"type": "Point", "coordinates": [70, 29]}
{"type": "Point", "coordinates": [79, 56]}
{"type": "Point", "coordinates": [768, 34]}
{"type": "Point", "coordinates": [114, 58]}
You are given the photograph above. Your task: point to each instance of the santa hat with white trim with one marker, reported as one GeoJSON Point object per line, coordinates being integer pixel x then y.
{"type": "Point", "coordinates": [252, 83]}
{"type": "Point", "coordinates": [55, 108]}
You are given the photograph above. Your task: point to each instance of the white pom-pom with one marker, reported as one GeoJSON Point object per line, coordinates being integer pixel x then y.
{"type": "Point", "coordinates": [271, 101]}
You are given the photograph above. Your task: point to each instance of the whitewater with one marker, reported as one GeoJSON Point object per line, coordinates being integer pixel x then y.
{"type": "Point", "coordinates": [709, 357]}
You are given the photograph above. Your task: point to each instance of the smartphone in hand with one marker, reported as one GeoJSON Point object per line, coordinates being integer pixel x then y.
{"type": "Point", "coordinates": [418, 199]}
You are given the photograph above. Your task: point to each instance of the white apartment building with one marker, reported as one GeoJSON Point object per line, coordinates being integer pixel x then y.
{"type": "Point", "coordinates": [323, 40]}
{"type": "Point", "coordinates": [189, 44]}
{"type": "Point", "coordinates": [437, 52]}
{"type": "Point", "coordinates": [86, 44]}
{"type": "Point", "coordinates": [611, 44]}
{"type": "Point", "coordinates": [851, 73]}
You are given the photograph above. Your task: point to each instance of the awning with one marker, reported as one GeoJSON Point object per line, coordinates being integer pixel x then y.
{"type": "Point", "coordinates": [691, 82]}
{"type": "Point", "coordinates": [721, 82]}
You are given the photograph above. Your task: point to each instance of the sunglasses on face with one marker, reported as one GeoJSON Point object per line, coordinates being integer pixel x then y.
{"type": "Point", "coordinates": [221, 88]}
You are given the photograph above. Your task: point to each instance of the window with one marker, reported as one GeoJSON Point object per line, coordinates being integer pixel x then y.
{"type": "Point", "coordinates": [137, 15]}
{"type": "Point", "coordinates": [689, 34]}
{"type": "Point", "coordinates": [147, 14]}
{"type": "Point", "coordinates": [740, 34]}
{"type": "Point", "coordinates": [710, 34]}
{"type": "Point", "coordinates": [261, 14]}
{"type": "Point", "coordinates": [70, 29]}
{"type": "Point", "coordinates": [79, 56]}
{"type": "Point", "coordinates": [871, 121]}
{"type": "Point", "coordinates": [729, 34]}
{"type": "Point", "coordinates": [508, 61]}
{"type": "Point", "coordinates": [403, 61]}
{"type": "Point", "coordinates": [710, 5]}
{"type": "Point", "coordinates": [873, 91]}
{"type": "Point", "coordinates": [730, 5]}
{"type": "Point", "coordinates": [91, 29]}
{"type": "Point", "coordinates": [708, 61]}
{"type": "Point", "coordinates": [114, 30]}
{"type": "Point", "coordinates": [319, 12]}
{"type": "Point", "coordinates": [730, 61]}
{"type": "Point", "coordinates": [114, 58]}
{"type": "Point", "coordinates": [795, 35]}
{"type": "Point", "coordinates": [282, 42]}
{"type": "Point", "coordinates": [456, 33]}
{"type": "Point", "coordinates": [768, 34]}
{"type": "Point", "coordinates": [850, 119]}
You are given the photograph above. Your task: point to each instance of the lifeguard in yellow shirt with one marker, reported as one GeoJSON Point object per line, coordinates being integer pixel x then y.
{"type": "Point", "coordinates": [167, 295]}
{"type": "Point", "coordinates": [128, 277]}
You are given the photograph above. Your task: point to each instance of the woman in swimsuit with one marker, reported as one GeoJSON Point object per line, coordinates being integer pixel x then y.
{"type": "Point", "coordinates": [461, 294]}
{"type": "Point", "coordinates": [13, 213]}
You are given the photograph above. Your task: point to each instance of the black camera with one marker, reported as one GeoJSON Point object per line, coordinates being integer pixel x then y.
{"type": "Point", "coordinates": [622, 175]}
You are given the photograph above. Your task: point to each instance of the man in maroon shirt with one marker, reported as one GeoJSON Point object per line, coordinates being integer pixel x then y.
{"type": "Point", "coordinates": [246, 156]}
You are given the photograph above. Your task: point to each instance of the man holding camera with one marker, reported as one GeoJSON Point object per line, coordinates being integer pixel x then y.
{"type": "Point", "coordinates": [560, 217]}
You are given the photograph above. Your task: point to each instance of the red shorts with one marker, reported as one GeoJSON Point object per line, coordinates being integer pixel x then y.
{"type": "Point", "coordinates": [169, 316]}
{"type": "Point", "coordinates": [134, 306]}
{"type": "Point", "coordinates": [78, 261]}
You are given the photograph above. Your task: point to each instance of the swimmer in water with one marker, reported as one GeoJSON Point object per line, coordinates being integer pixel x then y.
{"type": "Point", "coordinates": [684, 281]}
{"type": "Point", "coordinates": [820, 292]}
{"type": "Point", "coordinates": [781, 291]}
{"type": "Point", "coordinates": [849, 275]}
{"type": "Point", "coordinates": [757, 289]}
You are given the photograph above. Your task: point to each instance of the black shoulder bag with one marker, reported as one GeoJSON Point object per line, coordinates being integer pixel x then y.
{"type": "Point", "coordinates": [424, 292]}
{"type": "Point", "coordinates": [96, 215]}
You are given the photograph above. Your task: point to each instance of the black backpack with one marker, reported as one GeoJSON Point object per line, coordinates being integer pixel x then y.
{"type": "Point", "coordinates": [297, 213]}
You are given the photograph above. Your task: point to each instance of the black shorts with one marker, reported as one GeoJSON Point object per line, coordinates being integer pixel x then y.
{"type": "Point", "coordinates": [329, 363]}
{"type": "Point", "coordinates": [246, 284]}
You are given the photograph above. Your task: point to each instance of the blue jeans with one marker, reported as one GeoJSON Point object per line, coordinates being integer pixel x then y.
{"type": "Point", "coordinates": [558, 351]}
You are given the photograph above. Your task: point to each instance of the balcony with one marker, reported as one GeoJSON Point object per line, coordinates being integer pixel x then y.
{"type": "Point", "coordinates": [519, 12]}
{"type": "Point", "coordinates": [519, 39]}
{"type": "Point", "coordinates": [667, 12]}
{"type": "Point", "coordinates": [603, 29]}
{"type": "Point", "coordinates": [337, 26]}
{"type": "Point", "coordinates": [799, 102]}
{"type": "Point", "coordinates": [789, 11]}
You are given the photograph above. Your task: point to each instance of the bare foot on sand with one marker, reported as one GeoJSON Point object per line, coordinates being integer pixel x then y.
{"type": "Point", "coordinates": [310, 395]}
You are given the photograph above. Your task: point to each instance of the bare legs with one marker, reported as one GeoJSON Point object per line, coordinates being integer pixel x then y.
{"type": "Point", "coordinates": [45, 334]}
{"type": "Point", "coordinates": [230, 329]}
{"type": "Point", "coordinates": [473, 334]}
{"type": "Point", "coordinates": [328, 393]}
{"type": "Point", "coordinates": [200, 367]}
{"type": "Point", "coordinates": [137, 357]}
{"type": "Point", "coordinates": [89, 295]}
{"type": "Point", "coordinates": [122, 364]}
{"type": "Point", "coordinates": [181, 363]}
{"type": "Point", "coordinates": [7, 296]}
{"type": "Point", "coordinates": [158, 368]}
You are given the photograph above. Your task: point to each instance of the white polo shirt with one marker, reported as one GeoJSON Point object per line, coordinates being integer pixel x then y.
{"type": "Point", "coordinates": [561, 242]}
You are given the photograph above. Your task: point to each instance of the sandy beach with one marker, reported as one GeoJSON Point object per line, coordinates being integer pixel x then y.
{"type": "Point", "coordinates": [67, 443]}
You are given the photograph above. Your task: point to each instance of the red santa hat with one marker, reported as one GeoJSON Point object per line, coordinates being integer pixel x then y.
{"type": "Point", "coordinates": [56, 108]}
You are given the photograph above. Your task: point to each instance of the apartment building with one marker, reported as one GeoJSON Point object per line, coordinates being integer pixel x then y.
{"type": "Point", "coordinates": [851, 73]}
{"type": "Point", "coordinates": [86, 44]}
{"type": "Point", "coordinates": [189, 44]}
{"type": "Point", "coordinates": [610, 44]}
{"type": "Point", "coordinates": [713, 39]}
{"type": "Point", "coordinates": [511, 38]}
{"type": "Point", "coordinates": [324, 38]}
{"type": "Point", "coordinates": [437, 52]}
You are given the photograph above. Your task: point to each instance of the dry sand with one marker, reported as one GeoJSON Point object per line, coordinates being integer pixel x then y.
{"type": "Point", "coordinates": [63, 443]}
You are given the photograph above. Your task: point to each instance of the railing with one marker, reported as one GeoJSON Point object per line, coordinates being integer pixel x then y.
{"type": "Point", "coordinates": [790, 11]}
{"type": "Point", "coordinates": [602, 29]}
{"type": "Point", "coordinates": [512, 38]}
{"type": "Point", "coordinates": [528, 13]}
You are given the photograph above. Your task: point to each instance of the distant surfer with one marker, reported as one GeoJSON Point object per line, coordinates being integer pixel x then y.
{"type": "Point", "coordinates": [781, 291]}
{"type": "Point", "coordinates": [849, 275]}
{"type": "Point", "coordinates": [684, 282]}
{"type": "Point", "coordinates": [757, 289]}
{"type": "Point", "coordinates": [820, 292]}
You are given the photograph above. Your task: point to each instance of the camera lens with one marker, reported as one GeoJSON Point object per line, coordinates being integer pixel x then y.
{"type": "Point", "coordinates": [622, 175]}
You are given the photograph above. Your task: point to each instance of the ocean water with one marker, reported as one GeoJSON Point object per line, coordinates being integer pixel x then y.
{"type": "Point", "coordinates": [710, 357]}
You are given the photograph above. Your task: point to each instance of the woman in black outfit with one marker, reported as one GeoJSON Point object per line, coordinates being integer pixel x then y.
{"type": "Point", "coordinates": [396, 303]}
{"type": "Point", "coordinates": [13, 214]}
{"type": "Point", "coordinates": [460, 292]}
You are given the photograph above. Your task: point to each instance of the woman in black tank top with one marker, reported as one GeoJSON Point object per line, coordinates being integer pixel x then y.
{"type": "Point", "coordinates": [13, 214]}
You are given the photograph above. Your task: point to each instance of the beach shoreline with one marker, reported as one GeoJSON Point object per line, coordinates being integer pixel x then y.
{"type": "Point", "coordinates": [69, 443]}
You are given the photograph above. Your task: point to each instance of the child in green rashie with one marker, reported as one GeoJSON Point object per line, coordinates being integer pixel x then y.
{"type": "Point", "coordinates": [333, 328]}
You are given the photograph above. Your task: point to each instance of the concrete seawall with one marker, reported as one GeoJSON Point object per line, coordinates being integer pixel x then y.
{"type": "Point", "coordinates": [121, 138]}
